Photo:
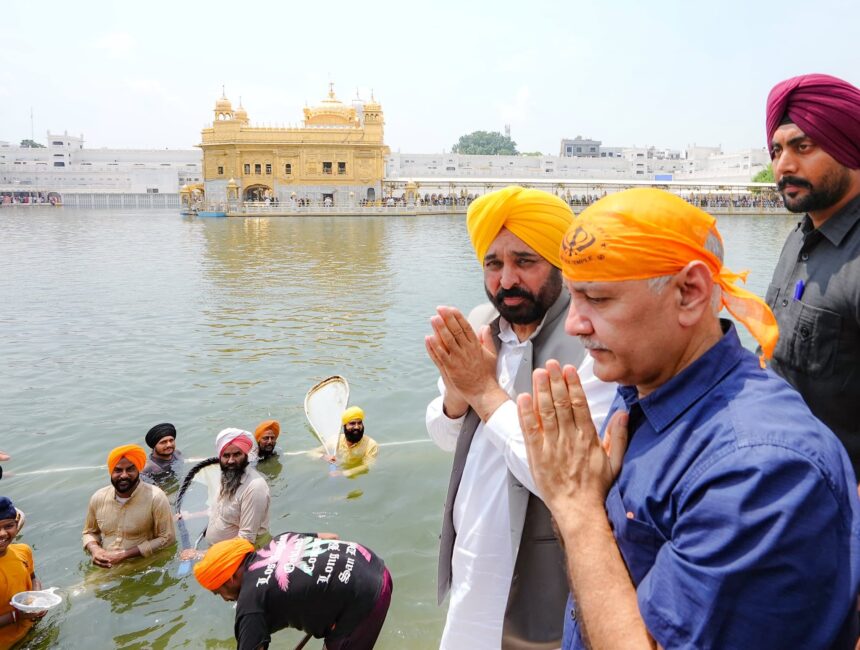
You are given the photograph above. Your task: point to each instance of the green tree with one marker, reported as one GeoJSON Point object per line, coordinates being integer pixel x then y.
{"type": "Point", "coordinates": [764, 176]}
{"type": "Point", "coordinates": [32, 144]}
{"type": "Point", "coordinates": [487, 143]}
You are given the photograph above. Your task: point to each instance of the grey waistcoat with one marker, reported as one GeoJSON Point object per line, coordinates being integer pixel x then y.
{"type": "Point", "coordinates": [534, 616]}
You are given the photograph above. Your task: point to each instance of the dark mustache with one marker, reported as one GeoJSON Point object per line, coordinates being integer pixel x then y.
{"type": "Point", "coordinates": [514, 292]}
{"type": "Point", "coordinates": [793, 180]}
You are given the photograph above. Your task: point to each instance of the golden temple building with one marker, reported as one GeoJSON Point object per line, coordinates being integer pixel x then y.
{"type": "Point", "coordinates": [337, 155]}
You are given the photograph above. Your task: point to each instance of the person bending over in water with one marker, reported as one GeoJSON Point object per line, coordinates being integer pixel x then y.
{"type": "Point", "coordinates": [331, 589]}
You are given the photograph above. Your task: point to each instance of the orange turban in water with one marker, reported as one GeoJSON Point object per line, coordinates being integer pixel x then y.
{"type": "Point", "coordinates": [265, 426]}
{"type": "Point", "coordinates": [539, 218]}
{"type": "Point", "coordinates": [134, 453]}
{"type": "Point", "coordinates": [646, 233]}
{"type": "Point", "coordinates": [221, 562]}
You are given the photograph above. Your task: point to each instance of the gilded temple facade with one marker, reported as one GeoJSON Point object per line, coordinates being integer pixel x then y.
{"type": "Point", "coordinates": [336, 156]}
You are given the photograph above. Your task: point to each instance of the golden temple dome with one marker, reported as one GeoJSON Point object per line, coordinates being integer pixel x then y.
{"type": "Point", "coordinates": [330, 112]}
{"type": "Point", "coordinates": [223, 105]}
{"type": "Point", "coordinates": [241, 114]}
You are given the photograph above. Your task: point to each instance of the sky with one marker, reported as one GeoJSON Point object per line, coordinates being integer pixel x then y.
{"type": "Point", "coordinates": [669, 74]}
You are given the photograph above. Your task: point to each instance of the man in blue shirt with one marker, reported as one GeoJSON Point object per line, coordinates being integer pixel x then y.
{"type": "Point", "coordinates": [716, 511]}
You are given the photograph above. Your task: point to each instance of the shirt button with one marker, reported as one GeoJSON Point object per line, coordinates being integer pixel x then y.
{"type": "Point", "coordinates": [804, 332]}
{"type": "Point", "coordinates": [573, 613]}
{"type": "Point", "coordinates": [804, 256]}
{"type": "Point", "coordinates": [784, 302]}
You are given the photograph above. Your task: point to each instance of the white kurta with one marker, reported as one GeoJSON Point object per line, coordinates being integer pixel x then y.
{"type": "Point", "coordinates": [483, 559]}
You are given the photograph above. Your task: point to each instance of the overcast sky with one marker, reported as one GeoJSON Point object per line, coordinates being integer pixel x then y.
{"type": "Point", "coordinates": [671, 73]}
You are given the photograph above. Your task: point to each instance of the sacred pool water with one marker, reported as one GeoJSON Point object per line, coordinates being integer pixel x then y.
{"type": "Point", "coordinates": [113, 322]}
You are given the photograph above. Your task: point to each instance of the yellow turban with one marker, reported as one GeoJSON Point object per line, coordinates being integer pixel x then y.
{"type": "Point", "coordinates": [221, 561]}
{"type": "Point", "coordinates": [647, 233]}
{"type": "Point", "coordinates": [352, 413]}
{"type": "Point", "coordinates": [134, 453]}
{"type": "Point", "coordinates": [265, 426]}
{"type": "Point", "coordinates": [537, 217]}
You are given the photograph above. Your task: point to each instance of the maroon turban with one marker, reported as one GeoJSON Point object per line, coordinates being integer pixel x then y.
{"type": "Point", "coordinates": [825, 108]}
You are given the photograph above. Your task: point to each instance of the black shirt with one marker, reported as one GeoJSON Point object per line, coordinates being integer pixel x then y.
{"type": "Point", "coordinates": [818, 351]}
{"type": "Point", "coordinates": [322, 587]}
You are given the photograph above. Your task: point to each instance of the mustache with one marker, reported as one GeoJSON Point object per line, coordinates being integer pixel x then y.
{"type": "Point", "coordinates": [514, 292]}
{"type": "Point", "coordinates": [591, 344]}
{"type": "Point", "coordinates": [793, 180]}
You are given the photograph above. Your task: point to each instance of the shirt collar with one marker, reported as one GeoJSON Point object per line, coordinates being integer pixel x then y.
{"type": "Point", "coordinates": [840, 224]}
{"type": "Point", "coordinates": [666, 404]}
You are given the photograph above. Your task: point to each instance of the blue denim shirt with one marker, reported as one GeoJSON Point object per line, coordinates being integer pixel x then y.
{"type": "Point", "coordinates": [736, 512]}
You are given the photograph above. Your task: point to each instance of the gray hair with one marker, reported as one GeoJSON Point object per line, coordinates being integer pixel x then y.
{"type": "Point", "coordinates": [712, 245]}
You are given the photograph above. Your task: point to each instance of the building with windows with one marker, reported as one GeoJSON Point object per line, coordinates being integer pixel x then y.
{"type": "Point", "coordinates": [337, 154]}
{"type": "Point", "coordinates": [66, 166]}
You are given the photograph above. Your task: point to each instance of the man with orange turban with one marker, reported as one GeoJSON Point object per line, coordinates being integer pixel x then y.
{"type": "Point", "coordinates": [498, 553]}
{"type": "Point", "coordinates": [715, 502]}
{"type": "Point", "coordinates": [328, 588]}
{"type": "Point", "coordinates": [267, 433]}
{"type": "Point", "coordinates": [813, 133]}
{"type": "Point", "coordinates": [128, 518]}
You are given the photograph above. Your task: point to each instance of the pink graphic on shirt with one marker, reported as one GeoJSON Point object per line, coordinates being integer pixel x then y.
{"type": "Point", "coordinates": [289, 552]}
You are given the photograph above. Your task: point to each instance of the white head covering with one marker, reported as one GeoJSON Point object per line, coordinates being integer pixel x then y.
{"type": "Point", "coordinates": [227, 436]}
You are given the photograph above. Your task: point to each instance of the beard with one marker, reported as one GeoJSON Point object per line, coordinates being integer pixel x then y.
{"type": "Point", "coordinates": [533, 307]}
{"type": "Point", "coordinates": [231, 477]}
{"type": "Point", "coordinates": [124, 485]}
{"type": "Point", "coordinates": [833, 187]}
{"type": "Point", "coordinates": [266, 450]}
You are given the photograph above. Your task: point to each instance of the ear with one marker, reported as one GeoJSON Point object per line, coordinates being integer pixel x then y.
{"type": "Point", "coordinates": [695, 287]}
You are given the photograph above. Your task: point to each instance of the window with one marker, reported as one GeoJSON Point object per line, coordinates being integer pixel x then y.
{"type": "Point", "coordinates": [341, 168]}
{"type": "Point", "coordinates": [57, 143]}
{"type": "Point", "coordinates": [268, 169]}
{"type": "Point", "coordinates": [326, 168]}
{"type": "Point", "coordinates": [220, 170]}
{"type": "Point", "coordinates": [152, 190]}
{"type": "Point", "coordinates": [288, 169]}
{"type": "Point", "coordinates": [58, 163]}
{"type": "Point", "coordinates": [258, 169]}
{"type": "Point", "coordinates": [247, 168]}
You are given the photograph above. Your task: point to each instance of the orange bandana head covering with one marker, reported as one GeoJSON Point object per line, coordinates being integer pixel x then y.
{"type": "Point", "coordinates": [134, 453]}
{"type": "Point", "coordinates": [539, 218]}
{"type": "Point", "coordinates": [221, 562]}
{"type": "Point", "coordinates": [265, 426]}
{"type": "Point", "coordinates": [646, 233]}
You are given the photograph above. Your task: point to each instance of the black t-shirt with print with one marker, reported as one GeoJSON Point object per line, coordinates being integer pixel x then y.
{"type": "Point", "coordinates": [322, 587]}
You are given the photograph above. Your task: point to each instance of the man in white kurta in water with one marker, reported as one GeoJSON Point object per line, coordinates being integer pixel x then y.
{"type": "Point", "coordinates": [499, 554]}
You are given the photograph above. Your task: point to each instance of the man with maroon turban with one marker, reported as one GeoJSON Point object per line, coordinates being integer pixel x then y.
{"type": "Point", "coordinates": [127, 518]}
{"type": "Point", "coordinates": [813, 131]}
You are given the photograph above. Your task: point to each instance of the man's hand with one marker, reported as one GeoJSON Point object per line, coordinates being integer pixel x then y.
{"type": "Point", "coordinates": [466, 363]}
{"type": "Point", "coordinates": [100, 556]}
{"type": "Point", "coordinates": [572, 468]}
{"type": "Point", "coordinates": [31, 616]}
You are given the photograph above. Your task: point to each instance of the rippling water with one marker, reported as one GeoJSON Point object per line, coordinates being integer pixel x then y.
{"type": "Point", "coordinates": [112, 322]}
